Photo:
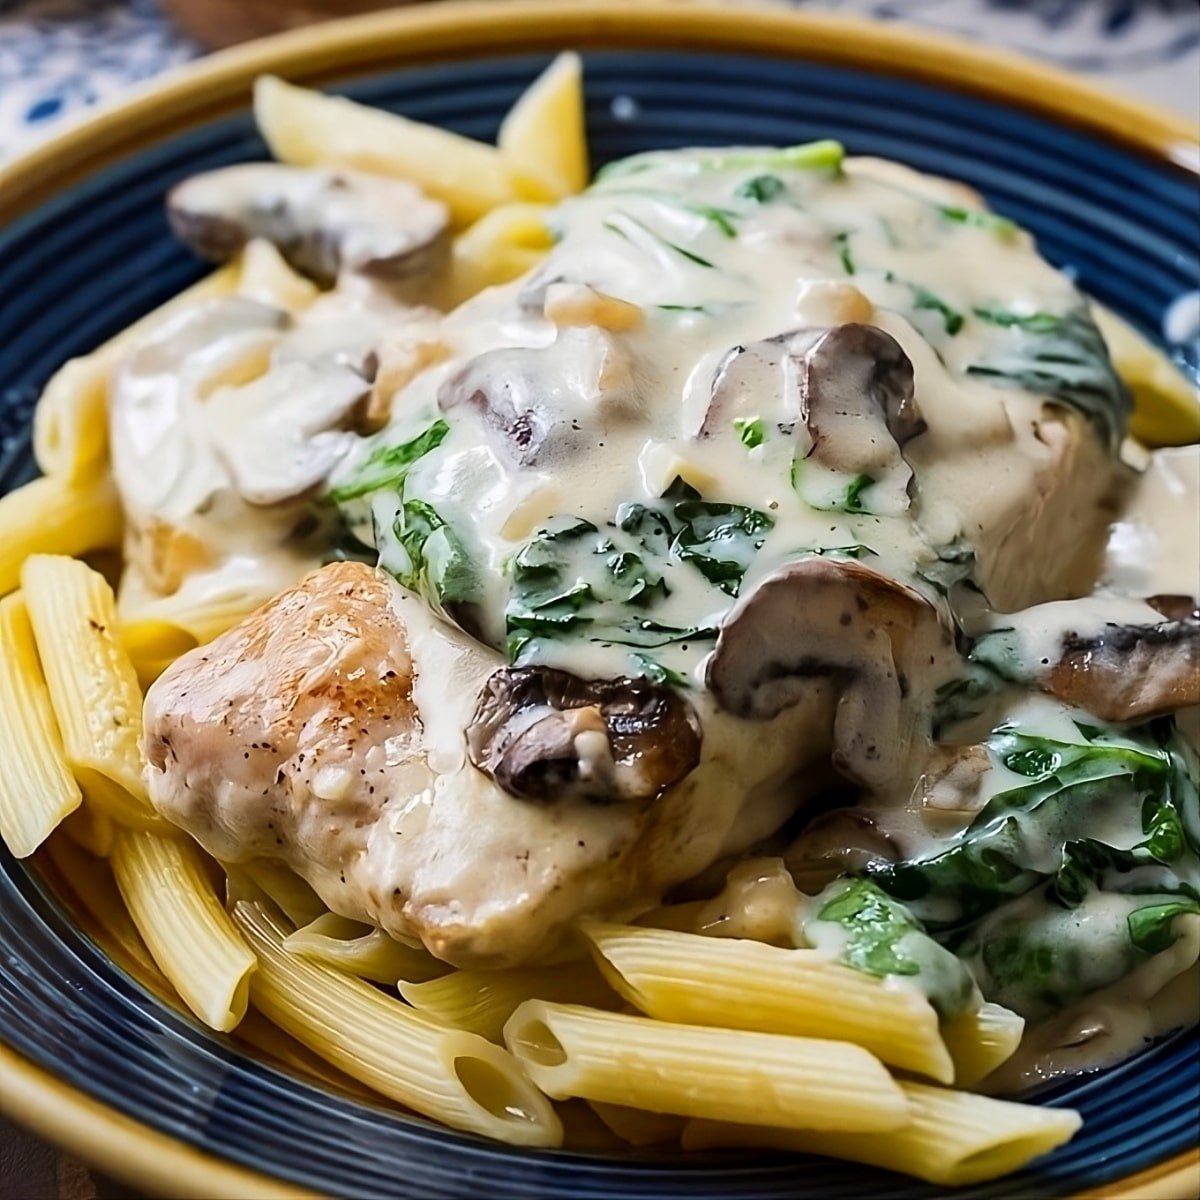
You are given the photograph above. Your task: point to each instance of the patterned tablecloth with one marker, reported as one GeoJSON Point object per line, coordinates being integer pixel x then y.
{"type": "Point", "coordinates": [57, 57]}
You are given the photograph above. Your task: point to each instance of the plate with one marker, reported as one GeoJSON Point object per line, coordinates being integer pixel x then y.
{"type": "Point", "coordinates": [91, 1055]}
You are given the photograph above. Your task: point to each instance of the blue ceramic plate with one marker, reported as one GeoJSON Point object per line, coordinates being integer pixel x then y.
{"type": "Point", "coordinates": [87, 251]}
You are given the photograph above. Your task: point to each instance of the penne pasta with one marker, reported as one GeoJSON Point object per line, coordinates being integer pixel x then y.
{"type": "Point", "coordinates": [501, 246]}
{"type": "Point", "coordinates": [482, 1001]}
{"type": "Point", "coordinates": [307, 129]}
{"type": "Point", "coordinates": [638, 1127]}
{"type": "Point", "coordinates": [363, 951]}
{"type": "Point", "coordinates": [93, 685]}
{"type": "Point", "coordinates": [702, 981]}
{"type": "Point", "coordinates": [694, 1071]}
{"type": "Point", "coordinates": [265, 879]}
{"type": "Point", "coordinates": [153, 646]}
{"type": "Point", "coordinates": [91, 830]}
{"type": "Point", "coordinates": [952, 1138]}
{"type": "Point", "coordinates": [544, 135]}
{"type": "Point", "coordinates": [456, 1077]}
{"type": "Point", "coordinates": [265, 276]}
{"type": "Point", "coordinates": [37, 789]}
{"type": "Point", "coordinates": [197, 947]}
{"type": "Point", "coordinates": [981, 1040]}
{"type": "Point", "coordinates": [70, 424]}
{"type": "Point", "coordinates": [52, 515]}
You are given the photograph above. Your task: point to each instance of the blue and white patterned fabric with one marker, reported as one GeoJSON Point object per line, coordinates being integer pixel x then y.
{"type": "Point", "coordinates": [59, 56]}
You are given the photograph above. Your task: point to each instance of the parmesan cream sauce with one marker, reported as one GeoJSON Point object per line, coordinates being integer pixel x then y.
{"type": "Point", "coordinates": [225, 422]}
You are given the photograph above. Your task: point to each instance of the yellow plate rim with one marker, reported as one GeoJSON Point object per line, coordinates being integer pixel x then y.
{"type": "Point", "coordinates": [220, 84]}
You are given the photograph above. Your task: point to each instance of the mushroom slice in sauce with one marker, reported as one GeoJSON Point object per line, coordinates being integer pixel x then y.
{"type": "Point", "coordinates": [856, 398]}
{"type": "Point", "coordinates": [549, 401]}
{"type": "Point", "coordinates": [851, 386]}
{"type": "Point", "coordinates": [1129, 673]}
{"type": "Point", "coordinates": [881, 643]}
{"type": "Point", "coordinates": [322, 221]}
{"type": "Point", "coordinates": [545, 734]}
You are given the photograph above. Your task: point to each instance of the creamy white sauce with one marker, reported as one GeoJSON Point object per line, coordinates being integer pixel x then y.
{"type": "Point", "coordinates": [664, 338]}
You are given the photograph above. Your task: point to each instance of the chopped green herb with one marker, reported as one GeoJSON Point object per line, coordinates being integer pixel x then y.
{"type": "Point", "coordinates": [387, 466]}
{"type": "Point", "coordinates": [1038, 322]}
{"type": "Point", "coordinates": [923, 298]}
{"type": "Point", "coordinates": [842, 242]}
{"type": "Point", "coordinates": [722, 218]}
{"type": "Point", "coordinates": [612, 226]}
{"type": "Point", "coordinates": [750, 431]}
{"type": "Point", "coordinates": [980, 218]}
{"type": "Point", "coordinates": [762, 189]}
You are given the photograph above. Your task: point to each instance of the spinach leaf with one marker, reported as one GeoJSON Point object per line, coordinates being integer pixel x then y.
{"type": "Point", "coordinates": [923, 298]}
{"type": "Point", "coordinates": [1069, 363]}
{"type": "Point", "coordinates": [439, 560]}
{"type": "Point", "coordinates": [878, 936]}
{"type": "Point", "coordinates": [719, 540]}
{"type": "Point", "coordinates": [842, 242]}
{"type": "Point", "coordinates": [823, 155]}
{"type": "Point", "coordinates": [980, 218]}
{"type": "Point", "coordinates": [750, 431]}
{"type": "Point", "coordinates": [762, 189]}
{"type": "Point", "coordinates": [627, 219]}
{"type": "Point", "coordinates": [387, 466]}
{"type": "Point", "coordinates": [652, 669]}
{"type": "Point", "coordinates": [1038, 322]}
{"type": "Point", "coordinates": [1151, 928]}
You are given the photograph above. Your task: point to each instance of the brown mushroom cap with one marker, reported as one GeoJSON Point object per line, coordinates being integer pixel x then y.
{"type": "Point", "coordinates": [880, 644]}
{"type": "Point", "coordinates": [546, 735]}
{"type": "Point", "coordinates": [1129, 673]}
{"type": "Point", "coordinates": [855, 393]}
{"type": "Point", "coordinates": [856, 389]}
{"type": "Point", "coordinates": [321, 221]}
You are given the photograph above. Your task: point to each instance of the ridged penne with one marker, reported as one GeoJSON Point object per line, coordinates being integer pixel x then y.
{"type": "Point", "coordinates": [702, 981]}
{"type": "Point", "coordinates": [482, 1001]}
{"type": "Point", "coordinates": [455, 1077]}
{"type": "Point", "coordinates": [980, 1041]}
{"type": "Point", "coordinates": [265, 879]}
{"type": "Point", "coordinates": [37, 789]}
{"type": "Point", "coordinates": [93, 685]}
{"type": "Point", "coordinates": [952, 1138]}
{"type": "Point", "coordinates": [695, 1071]}
{"type": "Point", "coordinates": [52, 515]}
{"type": "Point", "coordinates": [70, 424]}
{"type": "Point", "coordinates": [362, 951]}
{"type": "Point", "coordinates": [171, 899]}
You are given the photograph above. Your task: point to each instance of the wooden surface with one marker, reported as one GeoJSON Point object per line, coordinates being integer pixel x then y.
{"type": "Point", "coordinates": [217, 23]}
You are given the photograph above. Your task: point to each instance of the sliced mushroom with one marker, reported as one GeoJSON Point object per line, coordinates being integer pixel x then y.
{"type": "Point", "coordinates": [322, 221]}
{"type": "Point", "coordinates": [851, 386]}
{"type": "Point", "coordinates": [1129, 673]}
{"type": "Point", "coordinates": [880, 644]}
{"type": "Point", "coordinates": [951, 787]}
{"type": "Point", "coordinates": [282, 435]}
{"type": "Point", "coordinates": [550, 401]}
{"type": "Point", "coordinates": [546, 735]}
{"type": "Point", "coordinates": [856, 389]}
{"type": "Point", "coordinates": [840, 842]}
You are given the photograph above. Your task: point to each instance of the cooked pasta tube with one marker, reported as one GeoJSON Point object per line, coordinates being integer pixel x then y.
{"type": "Point", "coordinates": [91, 830]}
{"type": "Point", "coordinates": [544, 133]}
{"type": "Point", "coordinates": [639, 1127]}
{"type": "Point", "coordinates": [482, 1001]}
{"type": "Point", "coordinates": [93, 685]}
{"type": "Point", "coordinates": [197, 947]}
{"type": "Point", "coordinates": [453, 1076]}
{"type": "Point", "coordinates": [952, 1138]}
{"type": "Point", "coordinates": [90, 878]}
{"type": "Point", "coordinates": [52, 515]}
{"type": "Point", "coordinates": [37, 789]}
{"type": "Point", "coordinates": [266, 277]}
{"type": "Point", "coordinates": [980, 1041]}
{"type": "Point", "coordinates": [153, 646]}
{"type": "Point", "coordinates": [70, 424]}
{"type": "Point", "coordinates": [694, 1071]}
{"type": "Point", "coordinates": [363, 951]}
{"type": "Point", "coordinates": [264, 879]}
{"type": "Point", "coordinates": [200, 621]}
{"type": "Point", "coordinates": [702, 981]}
{"type": "Point", "coordinates": [501, 246]}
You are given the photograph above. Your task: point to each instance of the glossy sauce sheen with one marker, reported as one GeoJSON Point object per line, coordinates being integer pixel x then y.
{"type": "Point", "coordinates": [659, 341]}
